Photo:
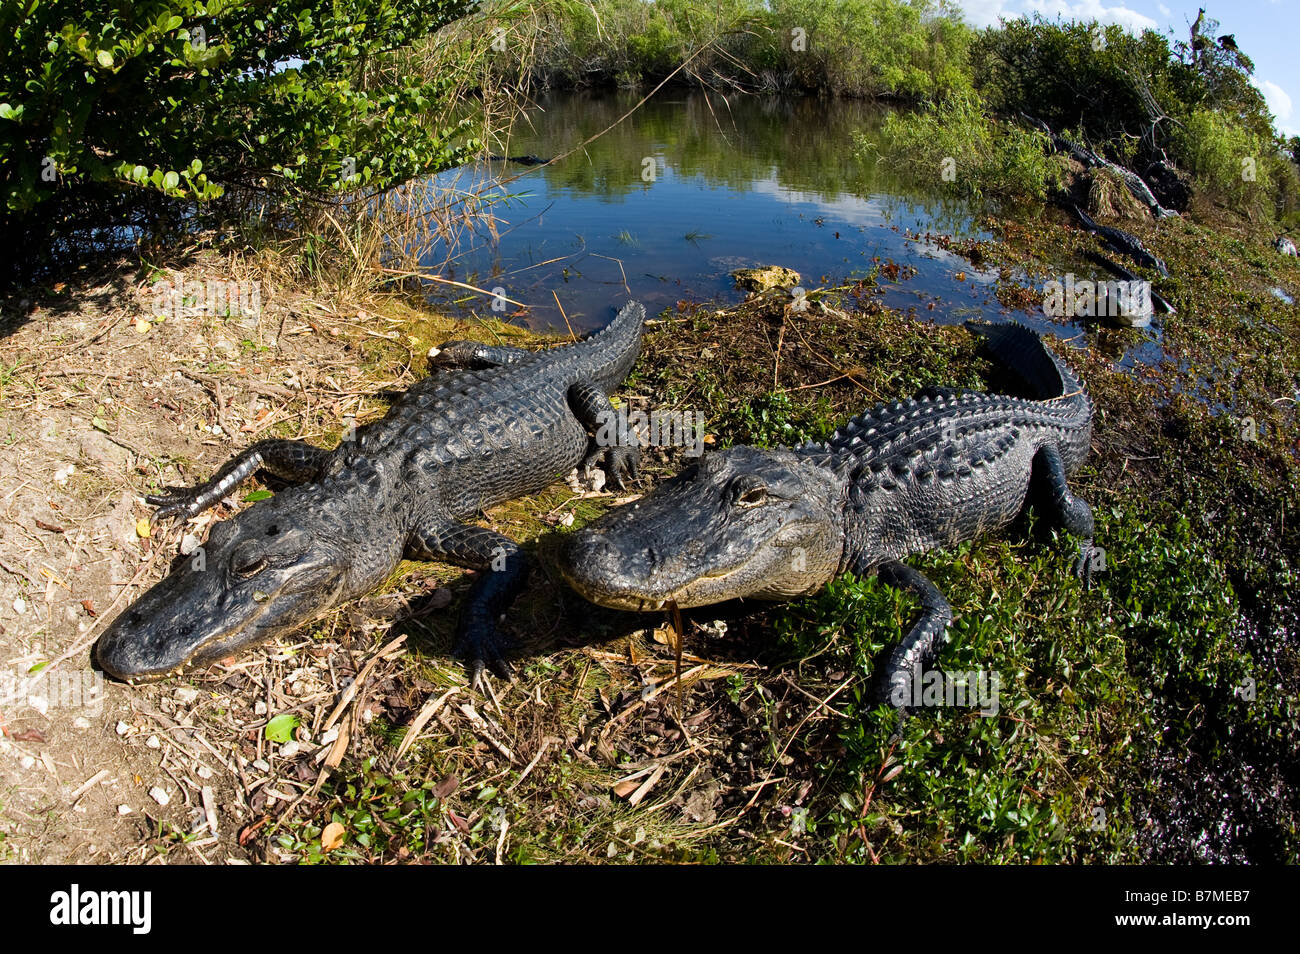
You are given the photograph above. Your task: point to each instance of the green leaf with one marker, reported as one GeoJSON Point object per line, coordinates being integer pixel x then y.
{"type": "Point", "coordinates": [280, 729]}
{"type": "Point", "coordinates": [10, 112]}
{"type": "Point", "coordinates": [104, 59]}
{"type": "Point", "coordinates": [171, 180]}
{"type": "Point", "coordinates": [255, 495]}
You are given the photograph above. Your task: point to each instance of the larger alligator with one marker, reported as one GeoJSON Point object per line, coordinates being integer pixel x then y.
{"type": "Point", "coordinates": [903, 478]}
{"type": "Point", "coordinates": [490, 424]}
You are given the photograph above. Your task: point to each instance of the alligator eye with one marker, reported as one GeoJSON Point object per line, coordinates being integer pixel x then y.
{"type": "Point", "coordinates": [751, 497]}
{"type": "Point", "coordinates": [247, 566]}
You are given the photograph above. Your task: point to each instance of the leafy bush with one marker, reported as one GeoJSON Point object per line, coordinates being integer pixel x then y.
{"type": "Point", "coordinates": [187, 97]}
{"type": "Point", "coordinates": [957, 143]}
{"type": "Point", "coordinates": [1230, 161]}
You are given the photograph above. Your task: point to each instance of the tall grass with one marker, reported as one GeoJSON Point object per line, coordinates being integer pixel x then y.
{"type": "Point", "coordinates": [957, 145]}
{"type": "Point", "coordinates": [900, 49]}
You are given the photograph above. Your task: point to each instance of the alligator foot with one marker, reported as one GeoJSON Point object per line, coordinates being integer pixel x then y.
{"type": "Point", "coordinates": [1066, 510]}
{"type": "Point", "coordinates": [503, 573]}
{"type": "Point", "coordinates": [901, 675]}
{"type": "Point", "coordinates": [293, 461]}
{"type": "Point", "coordinates": [483, 647]}
{"type": "Point", "coordinates": [621, 463]}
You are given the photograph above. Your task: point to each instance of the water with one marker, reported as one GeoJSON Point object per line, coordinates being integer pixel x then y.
{"type": "Point", "coordinates": [664, 206]}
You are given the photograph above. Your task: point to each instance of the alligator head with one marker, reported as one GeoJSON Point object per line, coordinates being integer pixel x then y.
{"type": "Point", "coordinates": [264, 572]}
{"type": "Point", "coordinates": [741, 523]}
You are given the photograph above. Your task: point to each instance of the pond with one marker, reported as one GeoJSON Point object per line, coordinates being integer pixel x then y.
{"type": "Point", "coordinates": [665, 204]}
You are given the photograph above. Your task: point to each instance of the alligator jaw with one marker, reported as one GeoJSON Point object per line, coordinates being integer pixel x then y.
{"type": "Point", "coordinates": [143, 647]}
{"type": "Point", "coordinates": [744, 523]}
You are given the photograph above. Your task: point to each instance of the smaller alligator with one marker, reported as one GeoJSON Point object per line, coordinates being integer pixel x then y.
{"type": "Point", "coordinates": [490, 424]}
{"type": "Point", "coordinates": [1125, 243]}
{"type": "Point", "coordinates": [901, 479]}
{"type": "Point", "coordinates": [1135, 184]}
{"type": "Point", "coordinates": [521, 160]}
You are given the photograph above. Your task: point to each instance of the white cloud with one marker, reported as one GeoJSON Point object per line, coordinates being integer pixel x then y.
{"type": "Point", "coordinates": [1164, 10]}
{"type": "Point", "coordinates": [982, 13]}
{"type": "Point", "coordinates": [1279, 104]}
{"type": "Point", "coordinates": [1092, 10]}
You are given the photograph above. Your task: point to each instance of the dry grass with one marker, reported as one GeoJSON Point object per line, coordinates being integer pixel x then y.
{"type": "Point", "coordinates": [1109, 197]}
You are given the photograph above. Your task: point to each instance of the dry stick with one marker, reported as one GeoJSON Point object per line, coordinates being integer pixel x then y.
{"type": "Point", "coordinates": [421, 720]}
{"type": "Point", "coordinates": [546, 743]}
{"type": "Point", "coordinates": [87, 785]}
{"type": "Point", "coordinates": [671, 681]}
{"type": "Point", "coordinates": [407, 273]}
{"type": "Point", "coordinates": [350, 692]}
{"type": "Point", "coordinates": [97, 335]}
{"type": "Point", "coordinates": [793, 735]}
{"type": "Point", "coordinates": [563, 315]}
{"type": "Point", "coordinates": [835, 367]}
{"type": "Point", "coordinates": [780, 343]}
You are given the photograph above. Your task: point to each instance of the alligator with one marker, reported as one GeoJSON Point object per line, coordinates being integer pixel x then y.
{"type": "Point", "coordinates": [1135, 184]}
{"type": "Point", "coordinates": [528, 160]}
{"type": "Point", "coordinates": [917, 475]}
{"type": "Point", "coordinates": [489, 424]}
{"type": "Point", "coordinates": [1124, 243]}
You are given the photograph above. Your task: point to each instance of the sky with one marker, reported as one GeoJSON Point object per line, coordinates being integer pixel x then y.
{"type": "Point", "coordinates": [1267, 31]}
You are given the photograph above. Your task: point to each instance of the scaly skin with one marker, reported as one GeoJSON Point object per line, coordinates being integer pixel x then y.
{"type": "Point", "coordinates": [905, 478]}
{"type": "Point", "coordinates": [490, 424]}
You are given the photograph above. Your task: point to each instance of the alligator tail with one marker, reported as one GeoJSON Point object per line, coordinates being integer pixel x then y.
{"type": "Point", "coordinates": [1023, 353]}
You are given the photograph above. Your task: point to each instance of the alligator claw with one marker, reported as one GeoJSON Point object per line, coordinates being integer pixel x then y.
{"type": "Point", "coordinates": [172, 501]}
{"type": "Point", "coordinates": [1083, 566]}
{"type": "Point", "coordinates": [482, 649]}
{"type": "Point", "coordinates": [621, 462]}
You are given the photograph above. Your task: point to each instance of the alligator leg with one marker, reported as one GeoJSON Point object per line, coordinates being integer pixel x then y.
{"type": "Point", "coordinates": [918, 647]}
{"type": "Point", "coordinates": [1057, 502]}
{"type": "Point", "coordinates": [474, 354]}
{"type": "Point", "coordinates": [591, 406]}
{"type": "Point", "coordinates": [504, 570]}
{"type": "Point", "coordinates": [294, 461]}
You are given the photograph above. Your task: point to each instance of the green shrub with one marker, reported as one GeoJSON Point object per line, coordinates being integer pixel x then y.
{"type": "Point", "coordinates": [1232, 163]}
{"type": "Point", "coordinates": [958, 144]}
{"type": "Point", "coordinates": [187, 97]}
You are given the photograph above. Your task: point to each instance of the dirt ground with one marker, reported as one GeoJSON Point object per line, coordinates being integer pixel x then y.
{"type": "Point", "coordinates": [97, 392]}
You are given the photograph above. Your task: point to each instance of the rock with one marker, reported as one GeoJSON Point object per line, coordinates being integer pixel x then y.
{"type": "Point", "coordinates": [1171, 187]}
{"type": "Point", "coordinates": [160, 795]}
{"type": "Point", "coordinates": [765, 278]}
{"type": "Point", "coordinates": [1285, 246]}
